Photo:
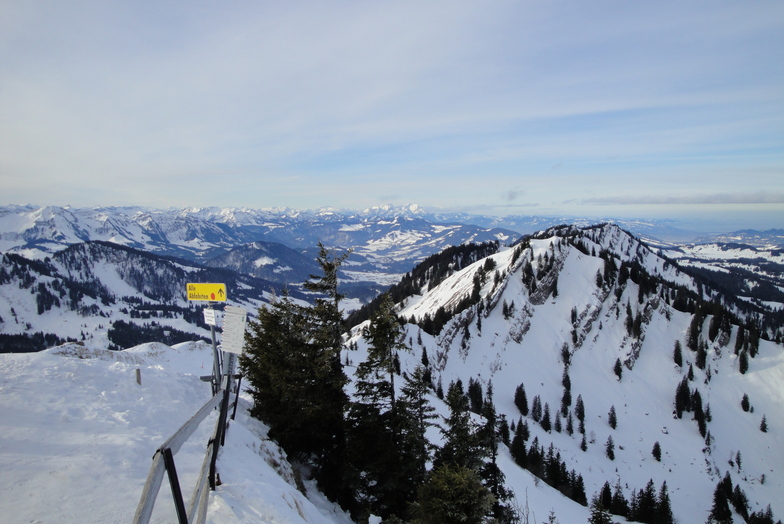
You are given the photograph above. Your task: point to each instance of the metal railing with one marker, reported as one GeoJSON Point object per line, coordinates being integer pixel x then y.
{"type": "Point", "coordinates": [163, 459]}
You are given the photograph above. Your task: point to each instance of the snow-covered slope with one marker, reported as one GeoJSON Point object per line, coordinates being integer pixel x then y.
{"type": "Point", "coordinates": [78, 433]}
{"type": "Point", "coordinates": [574, 309]}
{"type": "Point", "coordinates": [91, 291]}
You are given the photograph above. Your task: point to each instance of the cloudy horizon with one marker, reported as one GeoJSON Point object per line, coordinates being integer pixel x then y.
{"type": "Point", "coordinates": [601, 109]}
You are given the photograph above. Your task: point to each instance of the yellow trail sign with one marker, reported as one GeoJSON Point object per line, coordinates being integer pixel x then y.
{"type": "Point", "coordinates": [209, 292]}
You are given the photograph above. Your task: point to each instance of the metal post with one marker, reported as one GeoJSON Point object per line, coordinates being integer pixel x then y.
{"type": "Point", "coordinates": [179, 503]}
{"type": "Point", "coordinates": [237, 397]}
{"type": "Point", "coordinates": [216, 367]}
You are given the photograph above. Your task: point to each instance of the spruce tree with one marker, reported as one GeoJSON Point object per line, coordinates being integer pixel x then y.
{"type": "Point", "coordinates": [452, 494]}
{"type": "Point", "coordinates": [663, 511]}
{"type": "Point", "coordinates": [521, 400]}
{"type": "Point", "coordinates": [677, 354]}
{"type": "Point", "coordinates": [656, 451]}
{"type": "Point", "coordinates": [546, 424]}
{"type": "Point", "coordinates": [720, 512]}
{"type": "Point", "coordinates": [599, 514]}
{"type": "Point", "coordinates": [536, 409]}
{"type": "Point", "coordinates": [329, 400]}
{"type": "Point", "coordinates": [462, 445]}
{"type": "Point", "coordinates": [579, 409]}
{"type": "Point", "coordinates": [609, 448]}
{"type": "Point", "coordinates": [612, 419]}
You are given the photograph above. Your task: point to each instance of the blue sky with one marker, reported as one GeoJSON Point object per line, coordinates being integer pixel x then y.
{"type": "Point", "coordinates": [626, 109]}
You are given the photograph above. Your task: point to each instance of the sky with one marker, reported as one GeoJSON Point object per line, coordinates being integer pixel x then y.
{"type": "Point", "coordinates": [606, 108]}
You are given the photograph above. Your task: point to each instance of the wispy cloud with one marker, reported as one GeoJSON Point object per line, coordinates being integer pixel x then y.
{"type": "Point", "coordinates": [759, 197]}
{"type": "Point", "coordinates": [442, 103]}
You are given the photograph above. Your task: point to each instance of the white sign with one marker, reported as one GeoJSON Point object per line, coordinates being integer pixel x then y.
{"type": "Point", "coordinates": [209, 317]}
{"type": "Point", "coordinates": [233, 339]}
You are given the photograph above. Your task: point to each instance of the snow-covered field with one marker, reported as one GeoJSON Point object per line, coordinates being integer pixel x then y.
{"type": "Point", "coordinates": [78, 434]}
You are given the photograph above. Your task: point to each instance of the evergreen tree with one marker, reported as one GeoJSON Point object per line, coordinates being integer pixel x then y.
{"type": "Point", "coordinates": [386, 466]}
{"type": "Point", "coordinates": [764, 425]}
{"type": "Point", "coordinates": [517, 448]}
{"type": "Point", "coordinates": [611, 418]}
{"type": "Point", "coordinates": [609, 448]}
{"type": "Point", "coordinates": [618, 368]}
{"type": "Point", "coordinates": [579, 409]}
{"type": "Point", "coordinates": [462, 445]}
{"type": "Point", "coordinates": [546, 425]}
{"type": "Point", "coordinates": [583, 443]}
{"type": "Point", "coordinates": [416, 416]}
{"type": "Point", "coordinates": [720, 512]}
{"type": "Point", "coordinates": [536, 409]}
{"type": "Point", "coordinates": [743, 362]}
{"type": "Point", "coordinates": [605, 495]}
{"type": "Point", "coordinates": [451, 494]}
{"type": "Point", "coordinates": [491, 475]}
{"type": "Point", "coordinates": [329, 400]}
{"type": "Point", "coordinates": [677, 354]}
{"type": "Point", "coordinates": [682, 398]}
{"type": "Point", "coordinates": [656, 451]}
{"type": "Point", "coordinates": [599, 514]}
{"type": "Point", "coordinates": [570, 424]}
{"type": "Point", "coordinates": [663, 511]}
{"type": "Point", "coordinates": [475, 395]}
{"type": "Point", "coordinates": [744, 402]}
{"type": "Point", "coordinates": [521, 400]}
{"type": "Point", "coordinates": [296, 381]}
{"type": "Point", "coordinates": [620, 506]}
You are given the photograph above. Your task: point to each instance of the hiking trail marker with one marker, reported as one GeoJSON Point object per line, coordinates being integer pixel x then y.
{"type": "Point", "coordinates": [207, 292]}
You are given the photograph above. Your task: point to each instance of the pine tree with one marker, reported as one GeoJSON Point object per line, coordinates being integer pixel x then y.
{"type": "Point", "coordinates": [329, 399]}
{"type": "Point", "coordinates": [546, 425]}
{"type": "Point", "coordinates": [475, 395]}
{"type": "Point", "coordinates": [452, 494]}
{"type": "Point", "coordinates": [462, 445]}
{"type": "Point", "coordinates": [536, 409]}
{"type": "Point", "coordinates": [579, 409]}
{"type": "Point", "coordinates": [491, 475]}
{"type": "Point", "coordinates": [663, 511]}
{"type": "Point", "coordinates": [599, 514]}
{"type": "Point", "coordinates": [569, 424]}
{"type": "Point", "coordinates": [416, 416]}
{"type": "Point", "coordinates": [386, 468]}
{"type": "Point", "coordinates": [677, 354]}
{"type": "Point", "coordinates": [609, 448]}
{"type": "Point", "coordinates": [764, 424]}
{"type": "Point", "coordinates": [620, 506]}
{"type": "Point", "coordinates": [656, 451]}
{"type": "Point", "coordinates": [720, 512]}
{"type": "Point", "coordinates": [520, 400]}
{"type": "Point", "coordinates": [743, 362]}
{"type": "Point", "coordinates": [611, 418]}
{"type": "Point", "coordinates": [744, 402]}
{"type": "Point", "coordinates": [618, 368]}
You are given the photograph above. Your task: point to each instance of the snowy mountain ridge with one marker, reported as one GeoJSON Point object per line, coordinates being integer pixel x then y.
{"type": "Point", "coordinates": [578, 302]}
{"type": "Point", "coordinates": [567, 300]}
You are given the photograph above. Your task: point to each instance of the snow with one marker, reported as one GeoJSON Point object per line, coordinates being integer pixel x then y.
{"type": "Point", "coordinates": [78, 435]}
{"type": "Point", "coordinates": [263, 261]}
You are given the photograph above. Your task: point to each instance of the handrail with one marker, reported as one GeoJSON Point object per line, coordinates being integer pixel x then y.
{"type": "Point", "coordinates": [163, 459]}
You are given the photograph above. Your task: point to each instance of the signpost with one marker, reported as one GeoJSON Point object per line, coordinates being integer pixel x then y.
{"type": "Point", "coordinates": [233, 339]}
{"type": "Point", "coordinates": [234, 318]}
{"type": "Point", "coordinates": [207, 292]}
{"type": "Point", "coordinates": [210, 293]}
